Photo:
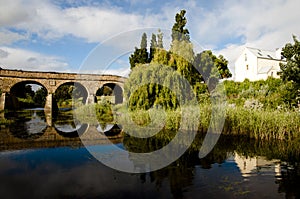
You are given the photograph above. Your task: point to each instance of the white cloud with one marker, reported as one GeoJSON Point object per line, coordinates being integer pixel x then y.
{"type": "Point", "coordinates": [9, 37]}
{"type": "Point", "coordinates": [94, 24]}
{"type": "Point", "coordinates": [226, 26]}
{"type": "Point", "coordinates": [14, 12]}
{"type": "Point", "coordinates": [13, 58]}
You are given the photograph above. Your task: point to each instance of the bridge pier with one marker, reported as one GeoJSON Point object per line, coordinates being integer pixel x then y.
{"type": "Point", "coordinates": [91, 99]}
{"type": "Point", "coordinates": [2, 101]}
{"type": "Point", "coordinates": [48, 109]}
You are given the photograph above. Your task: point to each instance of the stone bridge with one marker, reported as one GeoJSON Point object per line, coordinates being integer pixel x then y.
{"type": "Point", "coordinates": [90, 83]}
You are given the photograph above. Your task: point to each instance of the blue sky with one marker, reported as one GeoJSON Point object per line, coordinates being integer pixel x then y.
{"type": "Point", "coordinates": [63, 35]}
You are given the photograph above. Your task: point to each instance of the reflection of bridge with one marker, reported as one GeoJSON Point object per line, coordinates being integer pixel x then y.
{"type": "Point", "coordinates": [51, 137]}
{"type": "Point", "coordinates": [90, 83]}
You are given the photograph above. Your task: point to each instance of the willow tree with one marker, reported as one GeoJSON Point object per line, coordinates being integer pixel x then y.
{"type": "Point", "coordinates": [156, 85]}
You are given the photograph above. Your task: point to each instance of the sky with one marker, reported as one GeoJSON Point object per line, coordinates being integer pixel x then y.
{"type": "Point", "coordinates": [98, 36]}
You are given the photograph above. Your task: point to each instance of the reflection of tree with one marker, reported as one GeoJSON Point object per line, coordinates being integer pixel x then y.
{"type": "Point", "coordinates": [64, 118]}
{"type": "Point", "coordinates": [290, 181]}
{"type": "Point", "coordinates": [180, 173]}
{"type": "Point", "coordinates": [21, 119]}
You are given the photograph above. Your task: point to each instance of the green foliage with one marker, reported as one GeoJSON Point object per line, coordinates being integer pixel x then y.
{"type": "Point", "coordinates": [272, 93]}
{"type": "Point", "coordinates": [160, 43]}
{"type": "Point", "coordinates": [95, 113]}
{"type": "Point", "coordinates": [262, 124]}
{"type": "Point", "coordinates": [153, 46]}
{"type": "Point", "coordinates": [140, 55]}
{"type": "Point", "coordinates": [181, 58]}
{"type": "Point", "coordinates": [222, 65]}
{"type": "Point", "coordinates": [161, 56]}
{"type": "Point", "coordinates": [210, 65]}
{"type": "Point", "coordinates": [63, 93]}
{"type": "Point", "coordinates": [180, 33]}
{"type": "Point", "coordinates": [104, 112]}
{"type": "Point", "coordinates": [149, 85]}
{"type": "Point", "coordinates": [291, 70]}
{"type": "Point", "coordinates": [40, 97]}
{"type": "Point", "coordinates": [69, 95]}
{"type": "Point", "coordinates": [104, 90]}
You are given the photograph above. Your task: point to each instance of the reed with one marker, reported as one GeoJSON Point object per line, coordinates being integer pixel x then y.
{"type": "Point", "coordinates": [261, 124]}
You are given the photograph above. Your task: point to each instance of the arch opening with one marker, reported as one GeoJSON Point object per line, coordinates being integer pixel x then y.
{"type": "Point", "coordinates": [26, 94]}
{"type": "Point", "coordinates": [70, 95]}
{"type": "Point", "coordinates": [110, 92]}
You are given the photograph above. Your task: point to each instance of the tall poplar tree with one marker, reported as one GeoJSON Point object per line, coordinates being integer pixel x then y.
{"type": "Point", "coordinates": [141, 54]}
{"type": "Point", "coordinates": [153, 46]}
{"type": "Point", "coordinates": [178, 31]}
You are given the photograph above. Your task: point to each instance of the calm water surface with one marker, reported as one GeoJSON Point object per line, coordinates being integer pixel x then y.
{"type": "Point", "coordinates": [38, 161]}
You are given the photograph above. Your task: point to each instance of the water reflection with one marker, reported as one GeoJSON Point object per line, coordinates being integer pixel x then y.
{"type": "Point", "coordinates": [109, 129]}
{"type": "Point", "coordinates": [55, 165]}
{"type": "Point", "coordinates": [27, 124]}
{"type": "Point", "coordinates": [66, 125]}
{"type": "Point", "coordinates": [229, 171]}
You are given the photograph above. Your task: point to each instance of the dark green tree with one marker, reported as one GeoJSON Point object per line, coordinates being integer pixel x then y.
{"type": "Point", "coordinates": [29, 93]}
{"type": "Point", "coordinates": [291, 69]}
{"type": "Point", "coordinates": [160, 39]}
{"type": "Point", "coordinates": [178, 31]}
{"type": "Point", "coordinates": [63, 92]}
{"type": "Point", "coordinates": [134, 58]}
{"type": "Point", "coordinates": [210, 65]}
{"type": "Point", "coordinates": [140, 55]}
{"type": "Point", "coordinates": [153, 46]}
{"type": "Point", "coordinates": [40, 97]}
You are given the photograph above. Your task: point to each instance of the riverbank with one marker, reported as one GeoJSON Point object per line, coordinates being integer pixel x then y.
{"type": "Point", "coordinates": [257, 124]}
{"type": "Point", "coordinates": [262, 124]}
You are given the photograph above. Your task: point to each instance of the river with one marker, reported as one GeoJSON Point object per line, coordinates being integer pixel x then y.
{"type": "Point", "coordinates": [38, 161]}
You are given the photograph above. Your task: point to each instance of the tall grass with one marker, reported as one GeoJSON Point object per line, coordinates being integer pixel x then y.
{"type": "Point", "coordinates": [261, 124]}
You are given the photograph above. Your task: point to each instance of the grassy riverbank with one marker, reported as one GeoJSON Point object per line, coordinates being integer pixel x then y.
{"type": "Point", "coordinates": [265, 124]}
{"type": "Point", "coordinates": [258, 124]}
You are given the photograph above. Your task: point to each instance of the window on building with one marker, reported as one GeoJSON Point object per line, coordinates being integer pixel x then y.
{"type": "Point", "coordinates": [272, 74]}
{"type": "Point", "coordinates": [247, 67]}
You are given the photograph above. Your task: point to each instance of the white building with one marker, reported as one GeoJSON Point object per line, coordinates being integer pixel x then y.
{"type": "Point", "coordinates": [255, 64]}
{"type": "Point", "coordinates": [251, 165]}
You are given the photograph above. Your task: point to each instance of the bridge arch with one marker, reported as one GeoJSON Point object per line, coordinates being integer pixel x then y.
{"type": "Point", "coordinates": [52, 80]}
{"type": "Point", "coordinates": [18, 89]}
{"type": "Point", "coordinates": [79, 90]}
{"type": "Point", "coordinates": [111, 91]}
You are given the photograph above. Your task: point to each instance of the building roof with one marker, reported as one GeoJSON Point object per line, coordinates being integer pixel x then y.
{"type": "Point", "coordinates": [267, 54]}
